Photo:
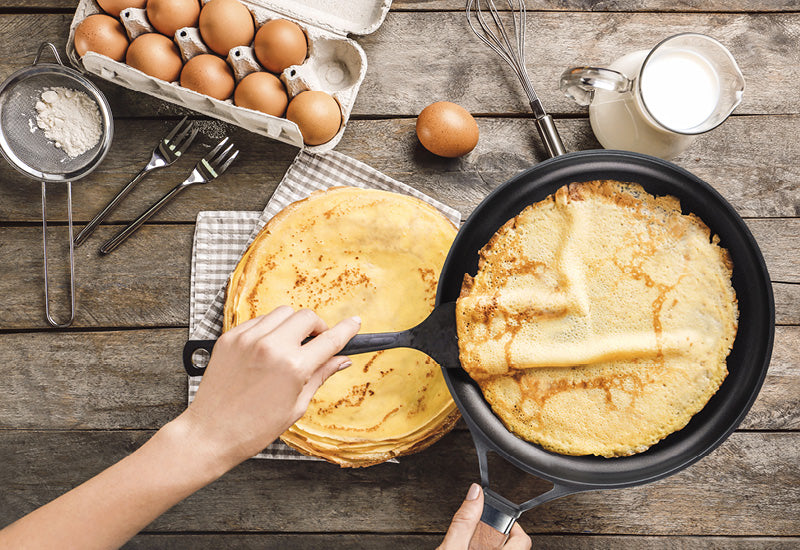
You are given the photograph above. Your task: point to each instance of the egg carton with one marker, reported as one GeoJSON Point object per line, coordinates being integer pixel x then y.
{"type": "Point", "coordinates": [335, 63]}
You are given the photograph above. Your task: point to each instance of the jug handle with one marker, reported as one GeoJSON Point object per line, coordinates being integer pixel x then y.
{"type": "Point", "coordinates": [579, 83]}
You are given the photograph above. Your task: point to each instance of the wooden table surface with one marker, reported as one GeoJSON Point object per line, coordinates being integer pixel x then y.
{"type": "Point", "coordinates": [74, 401]}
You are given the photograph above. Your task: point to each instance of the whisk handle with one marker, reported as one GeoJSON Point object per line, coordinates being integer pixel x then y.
{"type": "Point", "coordinates": [549, 134]}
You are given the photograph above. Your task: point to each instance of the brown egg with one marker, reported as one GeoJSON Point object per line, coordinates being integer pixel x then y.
{"type": "Point", "coordinates": [167, 16]}
{"type": "Point", "coordinates": [156, 55]}
{"type": "Point", "coordinates": [279, 44]}
{"type": "Point", "coordinates": [317, 114]}
{"type": "Point", "coordinates": [114, 7]}
{"type": "Point", "coordinates": [101, 34]}
{"type": "Point", "coordinates": [447, 129]}
{"type": "Point", "coordinates": [209, 75]}
{"type": "Point", "coordinates": [263, 92]}
{"type": "Point", "coordinates": [225, 24]}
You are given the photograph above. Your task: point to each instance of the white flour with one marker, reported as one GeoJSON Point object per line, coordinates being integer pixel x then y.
{"type": "Point", "coordinates": [70, 119]}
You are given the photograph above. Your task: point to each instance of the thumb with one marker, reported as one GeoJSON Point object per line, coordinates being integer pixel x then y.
{"type": "Point", "coordinates": [465, 521]}
{"type": "Point", "coordinates": [325, 371]}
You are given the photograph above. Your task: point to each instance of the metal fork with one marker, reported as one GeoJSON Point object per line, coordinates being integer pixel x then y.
{"type": "Point", "coordinates": [208, 168]}
{"type": "Point", "coordinates": [165, 153]}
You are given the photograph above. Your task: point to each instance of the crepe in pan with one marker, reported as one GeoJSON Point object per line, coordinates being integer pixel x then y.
{"type": "Point", "coordinates": [599, 320]}
{"type": "Point", "coordinates": [345, 252]}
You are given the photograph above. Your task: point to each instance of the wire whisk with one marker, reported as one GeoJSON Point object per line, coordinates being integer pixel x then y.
{"type": "Point", "coordinates": [487, 25]}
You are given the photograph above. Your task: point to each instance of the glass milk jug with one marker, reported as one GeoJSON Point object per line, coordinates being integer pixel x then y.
{"type": "Point", "coordinates": [656, 102]}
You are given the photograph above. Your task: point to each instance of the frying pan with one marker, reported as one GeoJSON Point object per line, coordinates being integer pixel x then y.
{"type": "Point", "coordinates": [436, 336]}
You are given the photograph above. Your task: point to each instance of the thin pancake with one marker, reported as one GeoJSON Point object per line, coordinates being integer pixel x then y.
{"type": "Point", "coordinates": [599, 320]}
{"type": "Point", "coordinates": [347, 252]}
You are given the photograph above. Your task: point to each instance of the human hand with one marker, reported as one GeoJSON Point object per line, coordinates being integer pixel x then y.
{"type": "Point", "coordinates": [260, 380]}
{"type": "Point", "coordinates": [465, 522]}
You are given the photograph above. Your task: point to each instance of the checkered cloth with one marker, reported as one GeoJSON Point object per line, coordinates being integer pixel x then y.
{"type": "Point", "coordinates": [220, 238]}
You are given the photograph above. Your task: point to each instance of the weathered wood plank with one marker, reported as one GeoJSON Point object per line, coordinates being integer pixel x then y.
{"type": "Point", "coordinates": [134, 380]}
{"type": "Point", "coordinates": [440, 59]}
{"type": "Point", "coordinates": [778, 404]}
{"type": "Point", "coordinates": [102, 380]}
{"type": "Point", "coordinates": [145, 282]}
{"type": "Point", "coordinates": [745, 488]}
{"type": "Point", "coordinates": [787, 303]}
{"type": "Point", "coordinates": [415, 542]}
{"type": "Point", "coordinates": [766, 184]}
{"type": "Point", "coordinates": [545, 5]}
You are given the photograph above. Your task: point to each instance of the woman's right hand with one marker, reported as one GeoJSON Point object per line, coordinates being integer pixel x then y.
{"type": "Point", "coordinates": [260, 380]}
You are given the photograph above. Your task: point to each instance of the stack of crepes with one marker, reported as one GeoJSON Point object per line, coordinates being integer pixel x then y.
{"type": "Point", "coordinates": [375, 254]}
{"type": "Point", "coordinates": [599, 320]}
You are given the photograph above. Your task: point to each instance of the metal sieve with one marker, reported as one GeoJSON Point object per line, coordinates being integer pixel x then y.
{"type": "Point", "coordinates": [26, 148]}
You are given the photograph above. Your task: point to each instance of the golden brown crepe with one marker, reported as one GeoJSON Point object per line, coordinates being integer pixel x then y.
{"type": "Point", "coordinates": [345, 252]}
{"type": "Point", "coordinates": [599, 320]}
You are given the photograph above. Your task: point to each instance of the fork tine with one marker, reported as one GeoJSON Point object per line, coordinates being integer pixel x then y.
{"type": "Point", "coordinates": [215, 150]}
{"type": "Point", "coordinates": [228, 162]}
{"type": "Point", "coordinates": [214, 162]}
{"type": "Point", "coordinates": [176, 129]}
{"type": "Point", "coordinates": [181, 147]}
{"type": "Point", "coordinates": [174, 142]}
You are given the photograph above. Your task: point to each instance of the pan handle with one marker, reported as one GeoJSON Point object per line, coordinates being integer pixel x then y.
{"type": "Point", "coordinates": [360, 343]}
{"type": "Point", "coordinates": [499, 513]}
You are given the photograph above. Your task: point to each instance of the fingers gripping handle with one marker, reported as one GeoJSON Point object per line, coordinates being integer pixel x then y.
{"type": "Point", "coordinates": [487, 538]}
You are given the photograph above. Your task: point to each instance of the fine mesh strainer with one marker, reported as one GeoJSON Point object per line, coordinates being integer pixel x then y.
{"type": "Point", "coordinates": [26, 148]}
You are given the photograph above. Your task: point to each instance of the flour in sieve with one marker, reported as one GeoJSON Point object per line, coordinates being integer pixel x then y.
{"type": "Point", "coordinates": [70, 119]}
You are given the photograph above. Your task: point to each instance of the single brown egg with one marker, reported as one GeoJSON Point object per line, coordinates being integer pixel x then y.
{"type": "Point", "coordinates": [279, 44]}
{"type": "Point", "coordinates": [225, 24]}
{"type": "Point", "coordinates": [262, 92]}
{"type": "Point", "coordinates": [167, 16]}
{"type": "Point", "coordinates": [101, 34]}
{"type": "Point", "coordinates": [209, 75]}
{"type": "Point", "coordinates": [114, 7]}
{"type": "Point", "coordinates": [447, 129]}
{"type": "Point", "coordinates": [156, 55]}
{"type": "Point", "coordinates": [317, 114]}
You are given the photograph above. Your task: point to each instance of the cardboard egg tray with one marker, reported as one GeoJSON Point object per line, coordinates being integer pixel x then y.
{"type": "Point", "coordinates": [335, 63]}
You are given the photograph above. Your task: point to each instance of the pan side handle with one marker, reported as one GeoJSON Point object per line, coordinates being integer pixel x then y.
{"type": "Point", "coordinates": [499, 513]}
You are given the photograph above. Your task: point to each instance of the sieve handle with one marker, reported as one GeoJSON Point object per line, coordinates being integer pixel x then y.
{"type": "Point", "coordinates": [49, 316]}
{"type": "Point", "coordinates": [44, 46]}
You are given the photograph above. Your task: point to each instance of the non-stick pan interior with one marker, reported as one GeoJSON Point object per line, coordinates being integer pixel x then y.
{"type": "Point", "coordinates": [747, 363]}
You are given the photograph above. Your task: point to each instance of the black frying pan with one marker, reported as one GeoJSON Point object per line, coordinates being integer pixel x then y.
{"type": "Point", "coordinates": [436, 336]}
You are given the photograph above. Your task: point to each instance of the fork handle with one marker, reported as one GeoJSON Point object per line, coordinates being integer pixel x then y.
{"type": "Point", "coordinates": [120, 237]}
{"type": "Point", "coordinates": [103, 214]}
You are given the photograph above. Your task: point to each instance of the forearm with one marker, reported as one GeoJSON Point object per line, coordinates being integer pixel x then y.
{"type": "Point", "coordinates": [110, 508]}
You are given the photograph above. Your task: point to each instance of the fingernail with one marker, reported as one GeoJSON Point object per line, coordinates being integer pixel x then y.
{"type": "Point", "coordinates": [474, 491]}
{"type": "Point", "coordinates": [345, 365]}
{"type": "Point", "coordinates": [357, 319]}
